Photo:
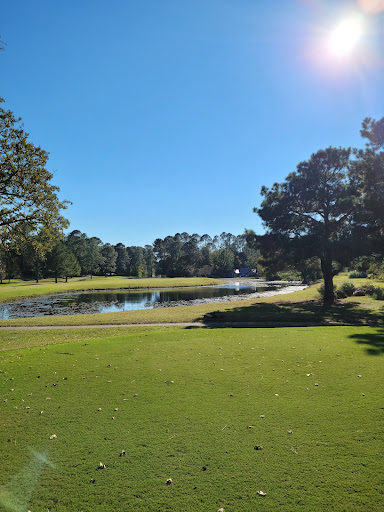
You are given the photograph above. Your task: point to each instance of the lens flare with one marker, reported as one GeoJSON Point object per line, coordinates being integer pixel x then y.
{"type": "Point", "coordinates": [345, 36]}
{"type": "Point", "coordinates": [372, 6]}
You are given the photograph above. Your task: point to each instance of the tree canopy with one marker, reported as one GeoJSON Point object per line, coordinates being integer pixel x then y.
{"type": "Point", "coordinates": [368, 173]}
{"type": "Point", "coordinates": [27, 196]}
{"type": "Point", "coordinates": [313, 210]}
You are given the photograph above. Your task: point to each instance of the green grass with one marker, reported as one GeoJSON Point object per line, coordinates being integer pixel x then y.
{"type": "Point", "coordinates": [208, 417]}
{"type": "Point", "coordinates": [18, 288]}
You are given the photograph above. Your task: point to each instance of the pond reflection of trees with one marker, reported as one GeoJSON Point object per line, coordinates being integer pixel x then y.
{"type": "Point", "coordinates": [114, 301]}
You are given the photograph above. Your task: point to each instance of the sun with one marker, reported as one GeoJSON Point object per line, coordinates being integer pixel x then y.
{"type": "Point", "coordinates": [345, 36]}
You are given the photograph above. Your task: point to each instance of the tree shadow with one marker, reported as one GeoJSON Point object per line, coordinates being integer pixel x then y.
{"type": "Point", "coordinates": [375, 339]}
{"type": "Point", "coordinates": [289, 313]}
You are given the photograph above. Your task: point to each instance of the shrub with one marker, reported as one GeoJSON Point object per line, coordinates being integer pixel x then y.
{"type": "Point", "coordinates": [340, 294]}
{"type": "Point", "coordinates": [320, 290]}
{"type": "Point", "coordinates": [355, 275]}
{"type": "Point", "coordinates": [368, 289]}
{"type": "Point", "coordinates": [290, 276]}
{"type": "Point", "coordinates": [378, 293]}
{"type": "Point", "coordinates": [348, 288]}
{"type": "Point", "coordinates": [359, 292]}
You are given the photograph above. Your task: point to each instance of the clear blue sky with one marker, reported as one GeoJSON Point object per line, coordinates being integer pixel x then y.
{"type": "Point", "coordinates": [164, 116]}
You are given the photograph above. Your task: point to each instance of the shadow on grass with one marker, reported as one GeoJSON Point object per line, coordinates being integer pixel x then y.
{"type": "Point", "coordinates": [297, 312]}
{"type": "Point", "coordinates": [376, 340]}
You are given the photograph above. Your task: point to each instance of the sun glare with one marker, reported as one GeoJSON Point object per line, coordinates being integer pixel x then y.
{"type": "Point", "coordinates": [344, 38]}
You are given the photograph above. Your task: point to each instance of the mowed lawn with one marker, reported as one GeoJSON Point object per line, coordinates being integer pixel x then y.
{"type": "Point", "coordinates": [294, 308]}
{"type": "Point", "coordinates": [191, 406]}
{"type": "Point", "coordinates": [17, 288]}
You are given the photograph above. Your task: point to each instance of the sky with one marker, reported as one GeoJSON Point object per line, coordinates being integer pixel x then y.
{"type": "Point", "coordinates": [168, 116]}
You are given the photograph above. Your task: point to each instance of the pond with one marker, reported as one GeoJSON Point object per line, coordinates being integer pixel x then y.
{"type": "Point", "coordinates": [122, 300]}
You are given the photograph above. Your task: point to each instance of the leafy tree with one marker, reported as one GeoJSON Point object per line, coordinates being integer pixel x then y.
{"type": "Point", "coordinates": [137, 261]}
{"type": "Point", "coordinates": [93, 257]}
{"type": "Point", "coordinates": [27, 196]}
{"type": "Point", "coordinates": [368, 173]}
{"type": "Point", "coordinates": [62, 262]}
{"type": "Point", "coordinates": [122, 260]}
{"type": "Point", "coordinates": [109, 254]}
{"type": "Point", "coordinates": [149, 260]}
{"type": "Point", "coordinates": [373, 131]}
{"type": "Point", "coordinates": [159, 252]}
{"type": "Point", "coordinates": [3, 266]}
{"type": "Point", "coordinates": [223, 262]}
{"type": "Point", "coordinates": [314, 208]}
{"type": "Point", "coordinates": [10, 260]}
{"type": "Point", "coordinates": [77, 243]}
{"type": "Point", "coordinates": [191, 255]}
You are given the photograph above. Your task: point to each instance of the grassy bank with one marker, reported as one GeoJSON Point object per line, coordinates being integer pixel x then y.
{"type": "Point", "coordinates": [192, 405]}
{"type": "Point", "coordinates": [18, 289]}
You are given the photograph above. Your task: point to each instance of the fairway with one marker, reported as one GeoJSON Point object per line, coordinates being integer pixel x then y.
{"type": "Point", "coordinates": [294, 412]}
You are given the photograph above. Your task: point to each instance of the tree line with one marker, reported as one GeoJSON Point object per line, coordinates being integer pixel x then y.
{"type": "Point", "coordinates": [181, 255]}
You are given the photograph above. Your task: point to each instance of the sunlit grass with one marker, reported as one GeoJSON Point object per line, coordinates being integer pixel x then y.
{"type": "Point", "coordinates": [18, 288]}
{"type": "Point", "coordinates": [302, 306]}
{"type": "Point", "coordinates": [188, 405]}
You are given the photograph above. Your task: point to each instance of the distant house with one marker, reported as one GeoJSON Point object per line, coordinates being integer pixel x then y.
{"type": "Point", "coordinates": [244, 272]}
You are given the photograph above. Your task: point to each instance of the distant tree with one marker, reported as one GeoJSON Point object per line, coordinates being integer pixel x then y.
{"type": "Point", "coordinates": [223, 262]}
{"type": "Point", "coordinates": [109, 255]}
{"type": "Point", "coordinates": [206, 247]}
{"type": "Point", "coordinates": [77, 243]}
{"type": "Point", "coordinates": [3, 267]}
{"type": "Point", "coordinates": [315, 208]}
{"type": "Point", "coordinates": [159, 253]}
{"type": "Point", "coordinates": [27, 196]}
{"type": "Point", "coordinates": [10, 258]}
{"type": "Point", "coordinates": [137, 262]}
{"type": "Point", "coordinates": [191, 255]}
{"type": "Point", "coordinates": [149, 260]}
{"type": "Point", "coordinates": [61, 262]}
{"type": "Point", "coordinates": [93, 257]}
{"type": "Point", "coordinates": [122, 260]}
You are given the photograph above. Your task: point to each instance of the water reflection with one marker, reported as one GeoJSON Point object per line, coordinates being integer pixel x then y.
{"type": "Point", "coordinates": [114, 301]}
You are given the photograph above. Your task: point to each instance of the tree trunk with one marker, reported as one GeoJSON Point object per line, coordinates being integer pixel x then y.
{"type": "Point", "coordinates": [327, 270]}
{"type": "Point", "coordinates": [56, 279]}
{"type": "Point", "coordinates": [66, 279]}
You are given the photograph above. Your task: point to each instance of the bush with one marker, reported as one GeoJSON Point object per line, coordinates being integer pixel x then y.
{"type": "Point", "coordinates": [348, 288]}
{"type": "Point", "coordinates": [378, 293]}
{"type": "Point", "coordinates": [368, 289]}
{"type": "Point", "coordinates": [340, 294]}
{"type": "Point", "coordinates": [356, 275]}
{"type": "Point", "coordinates": [290, 276]}
{"type": "Point", "coordinates": [359, 292]}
